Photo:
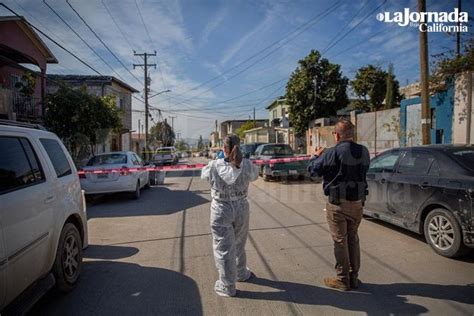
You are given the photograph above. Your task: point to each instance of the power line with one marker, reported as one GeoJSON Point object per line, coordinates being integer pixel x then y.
{"type": "Point", "coordinates": [247, 93]}
{"type": "Point", "coordinates": [116, 24]}
{"type": "Point", "coordinates": [82, 39]}
{"type": "Point", "coordinates": [347, 24]}
{"type": "Point", "coordinates": [37, 20]}
{"type": "Point", "coordinates": [296, 32]}
{"type": "Point", "coordinates": [105, 45]}
{"type": "Point", "coordinates": [143, 22]}
{"type": "Point", "coordinates": [353, 28]}
{"type": "Point", "coordinates": [53, 41]}
{"type": "Point", "coordinates": [360, 43]}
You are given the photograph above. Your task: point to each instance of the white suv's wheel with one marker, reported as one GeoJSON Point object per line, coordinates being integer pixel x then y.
{"type": "Point", "coordinates": [68, 262]}
{"type": "Point", "coordinates": [443, 234]}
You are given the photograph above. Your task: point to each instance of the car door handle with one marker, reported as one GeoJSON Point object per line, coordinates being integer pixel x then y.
{"type": "Point", "coordinates": [424, 185]}
{"type": "Point", "coordinates": [382, 181]}
{"type": "Point", "coordinates": [49, 199]}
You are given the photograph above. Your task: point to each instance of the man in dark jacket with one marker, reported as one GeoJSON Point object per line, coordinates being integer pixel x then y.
{"type": "Point", "coordinates": [343, 168]}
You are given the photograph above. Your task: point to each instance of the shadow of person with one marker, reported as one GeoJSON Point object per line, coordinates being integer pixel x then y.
{"type": "Point", "coordinates": [109, 252]}
{"type": "Point", "coordinates": [119, 288]}
{"type": "Point", "coordinates": [373, 299]}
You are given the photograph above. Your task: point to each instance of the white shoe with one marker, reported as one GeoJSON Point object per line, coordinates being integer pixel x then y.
{"type": "Point", "coordinates": [224, 291]}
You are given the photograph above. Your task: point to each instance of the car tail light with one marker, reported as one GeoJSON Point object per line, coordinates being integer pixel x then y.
{"type": "Point", "coordinates": [82, 175]}
{"type": "Point", "coordinates": [124, 171]}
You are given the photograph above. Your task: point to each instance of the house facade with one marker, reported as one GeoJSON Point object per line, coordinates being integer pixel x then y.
{"type": "Point", "coordinates": [278, 111]}
{"type": "Point", "coordinates": [278, 129]}
{"type": "Point", "coordinates": [20, 45]}
{"type": "Point", "coordinates": [231, 127]}
{"type": "Point", "coordinates": [103, 86]}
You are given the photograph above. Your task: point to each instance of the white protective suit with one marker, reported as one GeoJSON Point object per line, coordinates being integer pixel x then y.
{"type": "Point", "coordinates": [229, 220]}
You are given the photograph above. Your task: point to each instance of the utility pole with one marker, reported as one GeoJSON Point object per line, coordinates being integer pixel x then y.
{"type": "Point", "coordinates": [139, 131]}
{"type": "Point", "coordinates": [254, 117]}
{"type": "Point", "coordinates": [458, 34]}
{"type": "Point", "coordinates": [172, 121]}
{"type": "Point", "coordinates": [424, 84]}
{"type": "Point", "coordinates": [145, 66]}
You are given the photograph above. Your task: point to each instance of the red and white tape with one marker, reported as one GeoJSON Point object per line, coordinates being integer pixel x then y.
{"type": "Point", "coordinates": [187, 166]}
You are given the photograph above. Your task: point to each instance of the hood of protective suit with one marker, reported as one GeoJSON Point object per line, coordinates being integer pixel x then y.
{"type": "Point", "coordinates": [227, 171]}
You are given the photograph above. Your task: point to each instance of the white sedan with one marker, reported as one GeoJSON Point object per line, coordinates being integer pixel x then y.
{"type": "Point", "coordinates": [111, 182]}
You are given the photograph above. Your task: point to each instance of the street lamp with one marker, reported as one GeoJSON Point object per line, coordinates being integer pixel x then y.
{"type": "Point", "coordinates": [165, 91]}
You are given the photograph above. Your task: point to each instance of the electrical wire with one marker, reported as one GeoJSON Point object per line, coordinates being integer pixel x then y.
{"type": "Point", "coordinates": [103, 43]}
{"type": "Point", "coordinates": [116, 24]}
{"type": "Point", "coordinates": [292, 35]}
{"type": "Point", "coordinates": [53, 41]}
{"type": "Point", "coordinates": [82, 39]}
{"type": "Point", "coordinates": [353, 28]}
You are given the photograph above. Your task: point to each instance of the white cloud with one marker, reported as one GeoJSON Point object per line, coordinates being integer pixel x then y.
{"type": "Point", "coordinates": [270, 15]}
{"type": "Point", "coordinates": [214, 23]}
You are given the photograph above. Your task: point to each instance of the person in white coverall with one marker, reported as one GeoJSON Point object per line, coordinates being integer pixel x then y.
{"type": "Point", "coordinates": [230, 178]}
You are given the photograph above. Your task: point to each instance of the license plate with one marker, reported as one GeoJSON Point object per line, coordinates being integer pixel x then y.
{"type": "Point", "coordinates": [102, 176]}
{"type": "Point", "coordinates": [293, 172]}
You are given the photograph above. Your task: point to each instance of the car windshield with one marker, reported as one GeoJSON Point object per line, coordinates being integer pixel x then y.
{"type": "Point", "coordinates": [109, 159]}
{"type": "Point", "coordinates": [247, 148]}
{"type": "Point", "coordinates": [277, 150]}
{"type": "Point", "coordinates": [465, 157]}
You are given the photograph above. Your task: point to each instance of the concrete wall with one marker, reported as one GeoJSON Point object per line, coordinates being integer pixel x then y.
{"type": "Point", "coordinates": [463, 112]}
{"type": "Point", "coordinates": [320, 136]}
{"type": "Point", "coordinates": [260, 135]}
{"type": "Point", "coordinates": [378, 133]}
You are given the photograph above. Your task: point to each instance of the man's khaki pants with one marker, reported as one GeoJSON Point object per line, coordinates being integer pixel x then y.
{"type": "Point", "coordinates": [344, 220]}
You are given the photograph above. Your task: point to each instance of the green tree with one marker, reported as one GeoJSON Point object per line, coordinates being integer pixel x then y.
{"type": "Point", "coordinates": [373, 85]}
{"type": "Point", "coordinates": [181, 145]}
{"type": "Point", "coordinates": [447, 64]}
{"type": "Point", "coordinates": [27, 85]}
{"type": "Point", "coordinates": [201, 145]}
{"type": "Point", "coordinates": [370, 84]}
{"type": "Point", "coordinates": [81, 120]}
{"type": "Point", "coordinates": [163, 133]}
{"type": "Point", "coordinates": [316, 89]}
{"type": "Point", "coordinates": [245, 127]}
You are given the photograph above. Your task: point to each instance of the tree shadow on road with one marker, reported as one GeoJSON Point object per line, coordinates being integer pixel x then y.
{"type": "Point", "coordinates": [118, 288]}
{"type": "Point", "coordinates": [155, 201]}
{"type": "Point", "coordinates": [373, 299]}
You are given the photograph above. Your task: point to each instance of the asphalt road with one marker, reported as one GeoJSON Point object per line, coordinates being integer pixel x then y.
{"type": "Point", "coordinates": [154, 256]}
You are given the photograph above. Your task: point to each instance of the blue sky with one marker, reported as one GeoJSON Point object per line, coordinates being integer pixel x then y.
{"type": "Point", "coordinates": [199, 40]}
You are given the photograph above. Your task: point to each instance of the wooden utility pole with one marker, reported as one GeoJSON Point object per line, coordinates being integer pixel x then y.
{"type": "Point", "coordinates": [424, 84]}
{"type": "Point", "coordinates": [458, 34]}
{"type": "Point", "coordinates": [172, 121]}
{"type": "Point", "coordinates": [254, 117]}
{"type": "Point", "coordinates": [145, 66]}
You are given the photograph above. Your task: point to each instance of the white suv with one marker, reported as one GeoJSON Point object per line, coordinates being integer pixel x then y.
{"type": "Point", "coordinates": [43, 221]}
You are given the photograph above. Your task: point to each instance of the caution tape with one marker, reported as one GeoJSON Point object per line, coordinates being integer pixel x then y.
{"type": "Point", "coordinates": [187, 166]}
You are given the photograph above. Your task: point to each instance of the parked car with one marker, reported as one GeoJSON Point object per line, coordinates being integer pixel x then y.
{"type": "Point", "coordinates": [165, 155]}
{"type": "Point", "coordinates": [111, 182]}
{"type": "Point", "coordinates": [428, 190]}
{"type": "Point", "coordinates": [296, 169]}
{"type": "Point", "coordinates": [43, 221]}
{"type": "Point", "coordinates": [248, 150]}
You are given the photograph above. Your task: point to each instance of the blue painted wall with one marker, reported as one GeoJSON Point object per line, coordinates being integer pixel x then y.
{"type": "Point", "coordinates": [443, 103]}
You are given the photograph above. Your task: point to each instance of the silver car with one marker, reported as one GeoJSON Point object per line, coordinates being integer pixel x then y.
{"type": "Point", "coordinates": [124, 178]}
